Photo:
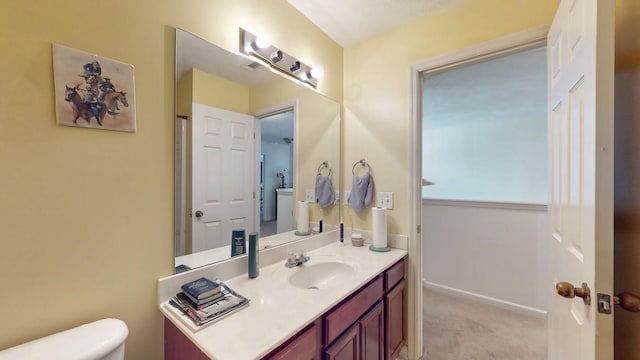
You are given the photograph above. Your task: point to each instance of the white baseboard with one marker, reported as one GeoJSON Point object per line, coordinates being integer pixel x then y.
{"type": "Point", "coordinates": [522, 309]}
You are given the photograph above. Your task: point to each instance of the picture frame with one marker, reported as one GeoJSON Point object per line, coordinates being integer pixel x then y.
{"type": "Point", "coordinates": [93, 91]}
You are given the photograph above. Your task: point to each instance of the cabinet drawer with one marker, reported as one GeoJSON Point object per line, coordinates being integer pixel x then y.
{"type": "Point", "coordinates": [303, 347]}
{"type": "Point", "coordinates": [338, 320]}
{"type": "Point", "coordinates": [393, 275]}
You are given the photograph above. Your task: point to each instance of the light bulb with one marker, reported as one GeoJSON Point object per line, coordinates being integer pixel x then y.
{"type": "Point", "coordinates": [263, 41]}
{"type": "Point", "coordinates": [317, 72]}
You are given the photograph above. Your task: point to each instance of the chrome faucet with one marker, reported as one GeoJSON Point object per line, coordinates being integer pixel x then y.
{"type": "Point", "coordinates": [298, 259]}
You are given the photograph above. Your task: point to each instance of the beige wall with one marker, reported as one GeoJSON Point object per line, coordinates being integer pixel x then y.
{"type": "Point", "coordinates": [215, 91]}
{"type": "Point", "coordinates": [376, 87]}
{"type": "Point", "coordinates": [316, 138]}
{"type": "Point", "coordinates": [627, 173]}
{"type": "Point", "coordinates": [86, 216]}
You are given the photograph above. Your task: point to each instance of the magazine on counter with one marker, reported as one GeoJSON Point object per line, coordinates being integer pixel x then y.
{"type": "Point", "coordinates": [200, 315]}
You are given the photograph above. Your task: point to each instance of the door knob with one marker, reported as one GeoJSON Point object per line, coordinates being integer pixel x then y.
{"type": "Point", "coordinates": [199, 214]}
{"type": "Point", "coordinates": [568, 291]}
{"type": "Point", "coordinates": [627, 301]}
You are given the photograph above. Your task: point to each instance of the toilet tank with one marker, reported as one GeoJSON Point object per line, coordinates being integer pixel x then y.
{"type": "Point", "coordinates": [103, 339]}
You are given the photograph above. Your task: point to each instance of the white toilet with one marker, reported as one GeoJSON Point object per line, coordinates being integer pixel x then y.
{"type": "Point", "coordinates": [99, 340]}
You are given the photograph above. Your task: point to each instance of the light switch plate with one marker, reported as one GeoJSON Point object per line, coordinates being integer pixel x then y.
{"type": "Point", "coordinates": [346, 196]}
{"type": "Point", "coordinates": [310, 196]}
{"type": "Point", "coordinates": [384, 200]}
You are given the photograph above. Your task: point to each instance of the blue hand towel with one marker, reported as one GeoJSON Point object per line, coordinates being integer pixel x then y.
{"type": "Point", "coordinates": [361, 192]}
{"type": "Point", "coordinates": [325, 195]}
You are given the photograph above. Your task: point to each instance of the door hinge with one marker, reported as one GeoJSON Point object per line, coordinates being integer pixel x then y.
{"type": "Point", "coordinates": [254, 195]}
{"type": "Point", "coordinates": [418, 229]}
{"type": "Point", "coordinates": [604, 303]}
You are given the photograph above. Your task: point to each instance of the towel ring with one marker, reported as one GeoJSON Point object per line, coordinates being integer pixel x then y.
{"type": "Point", "coordinates": [362, 163]}
{"type": "Point", "coordinates": [324, 164]}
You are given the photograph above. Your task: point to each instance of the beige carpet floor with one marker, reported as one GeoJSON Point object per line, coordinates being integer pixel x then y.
{"type": "Point", "coordinates": [459, 329]}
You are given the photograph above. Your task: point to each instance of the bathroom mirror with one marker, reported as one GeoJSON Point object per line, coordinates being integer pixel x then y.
{"type": "Point", "coordinates": [227, 180]}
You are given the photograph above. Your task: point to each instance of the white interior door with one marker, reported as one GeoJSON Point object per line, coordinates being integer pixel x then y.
{"type": "Point", "coordinates": [223, 176]}
{"type": "Point", "coordinates": [580, 107]}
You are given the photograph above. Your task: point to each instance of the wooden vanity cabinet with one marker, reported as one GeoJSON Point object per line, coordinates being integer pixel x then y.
{"type": "Point", "coordinates": [394, 309]}
{"type": "Point", "coordinates": [304, 345]}
{"type": "Point", "coordinates": [369, 325]}
{"type": "Point", "coordinates": [347, 347]}
{"type": "Point", "coordinates": [372, 333]}
{"type": "Point", "coordinates": [177, 346]}
{"type": "Point", "coordinates": [362, 314]}
{"type": "Point", "coordinates": [381, 332]}
{"type": "Point", "coordinates": [395, 319]}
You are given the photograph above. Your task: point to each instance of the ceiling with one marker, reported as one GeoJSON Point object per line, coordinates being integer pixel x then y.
{"type": "Point", "coordinates": [348, 22]}
{"type": "Point", "coordinates": [275, 128]}
{"type": "Point", "coordinates": [507, 87]}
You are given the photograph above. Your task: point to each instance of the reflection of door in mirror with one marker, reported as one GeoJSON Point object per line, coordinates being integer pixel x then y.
{"type": "Point", "coordinates": [222, 176]}
{"type": "Point", "coordinates": [262, 164]}
{"type": "Point", "coordinates": [276, 145]}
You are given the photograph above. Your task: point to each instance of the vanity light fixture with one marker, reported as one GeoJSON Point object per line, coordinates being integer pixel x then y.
{"type": "Point", "coordinates": [261, 48]}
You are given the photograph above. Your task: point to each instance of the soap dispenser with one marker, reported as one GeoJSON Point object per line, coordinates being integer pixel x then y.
{"type": "Point", "coordinates": [253, 270]}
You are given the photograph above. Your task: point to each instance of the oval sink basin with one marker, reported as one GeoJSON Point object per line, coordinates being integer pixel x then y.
{"type": "Point", "coordinates": [321, 275]}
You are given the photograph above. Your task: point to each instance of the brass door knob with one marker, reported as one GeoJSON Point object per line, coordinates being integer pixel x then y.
{"type": "Point", "coordinates": [627, 301]}
{"type": "Point", "coordinates": [199, 214]}
{"type": "Point", "coordinates": [568, 291]}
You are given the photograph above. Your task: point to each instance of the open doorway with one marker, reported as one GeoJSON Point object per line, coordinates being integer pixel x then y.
{"type": "Point", "coordinates": [484, 213]}
{"type": "Point", "coordinates": [276, 172]}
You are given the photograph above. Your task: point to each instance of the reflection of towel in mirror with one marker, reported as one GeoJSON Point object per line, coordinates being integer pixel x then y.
{"type": "Point", "coordinates": [325, 195]}
{"type": "Point", "coordinates": [361, 194]}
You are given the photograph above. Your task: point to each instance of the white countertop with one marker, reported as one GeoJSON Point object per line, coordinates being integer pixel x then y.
{"type": "Point", "coordinates": [284, 191]}
{"type": "Point", "coordinates": [279, 310]}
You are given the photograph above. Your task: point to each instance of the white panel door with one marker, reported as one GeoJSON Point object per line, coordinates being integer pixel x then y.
{"type": "Point", "coordinates": [580, 58]}
{"type": "Point", "coordinates": [223, 176]}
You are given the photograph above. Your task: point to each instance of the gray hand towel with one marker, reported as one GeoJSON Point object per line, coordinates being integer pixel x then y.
{"type": "Point", "coordinates": [325, 195]}
{"type": "Point", "coordinates": [361, 194]}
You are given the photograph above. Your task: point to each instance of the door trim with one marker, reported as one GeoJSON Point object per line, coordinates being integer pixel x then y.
{"type": "Point", "coordinates": [512, 43]}
{"type": "Point", "coordinates": [289, 105]}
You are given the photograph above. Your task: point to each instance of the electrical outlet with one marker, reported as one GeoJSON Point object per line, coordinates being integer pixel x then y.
{"type": "Point", "coordinates": [310, 196]}
{"type": "Point", "coordinates": [384, 200]}
{"type": "Point", "coordinates": [346, 196]}
{"type": "Point", "coordinates": [337, 200]}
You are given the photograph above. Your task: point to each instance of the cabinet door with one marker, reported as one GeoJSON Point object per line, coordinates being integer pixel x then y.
{"type": "Point", "coordinates": [347, 347]}
{"type": "Point", "coordinates": [395, 319]}
{"type": "Point", "coordinates": [284, 214]}
{"type": "Point", "coordinates": [372, 334]}
{"type": "Point", "coordinates": [177, 346]}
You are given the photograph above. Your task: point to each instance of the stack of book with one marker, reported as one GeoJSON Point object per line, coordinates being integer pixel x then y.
{"type": "Point", "coordinates": [205, 301]}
